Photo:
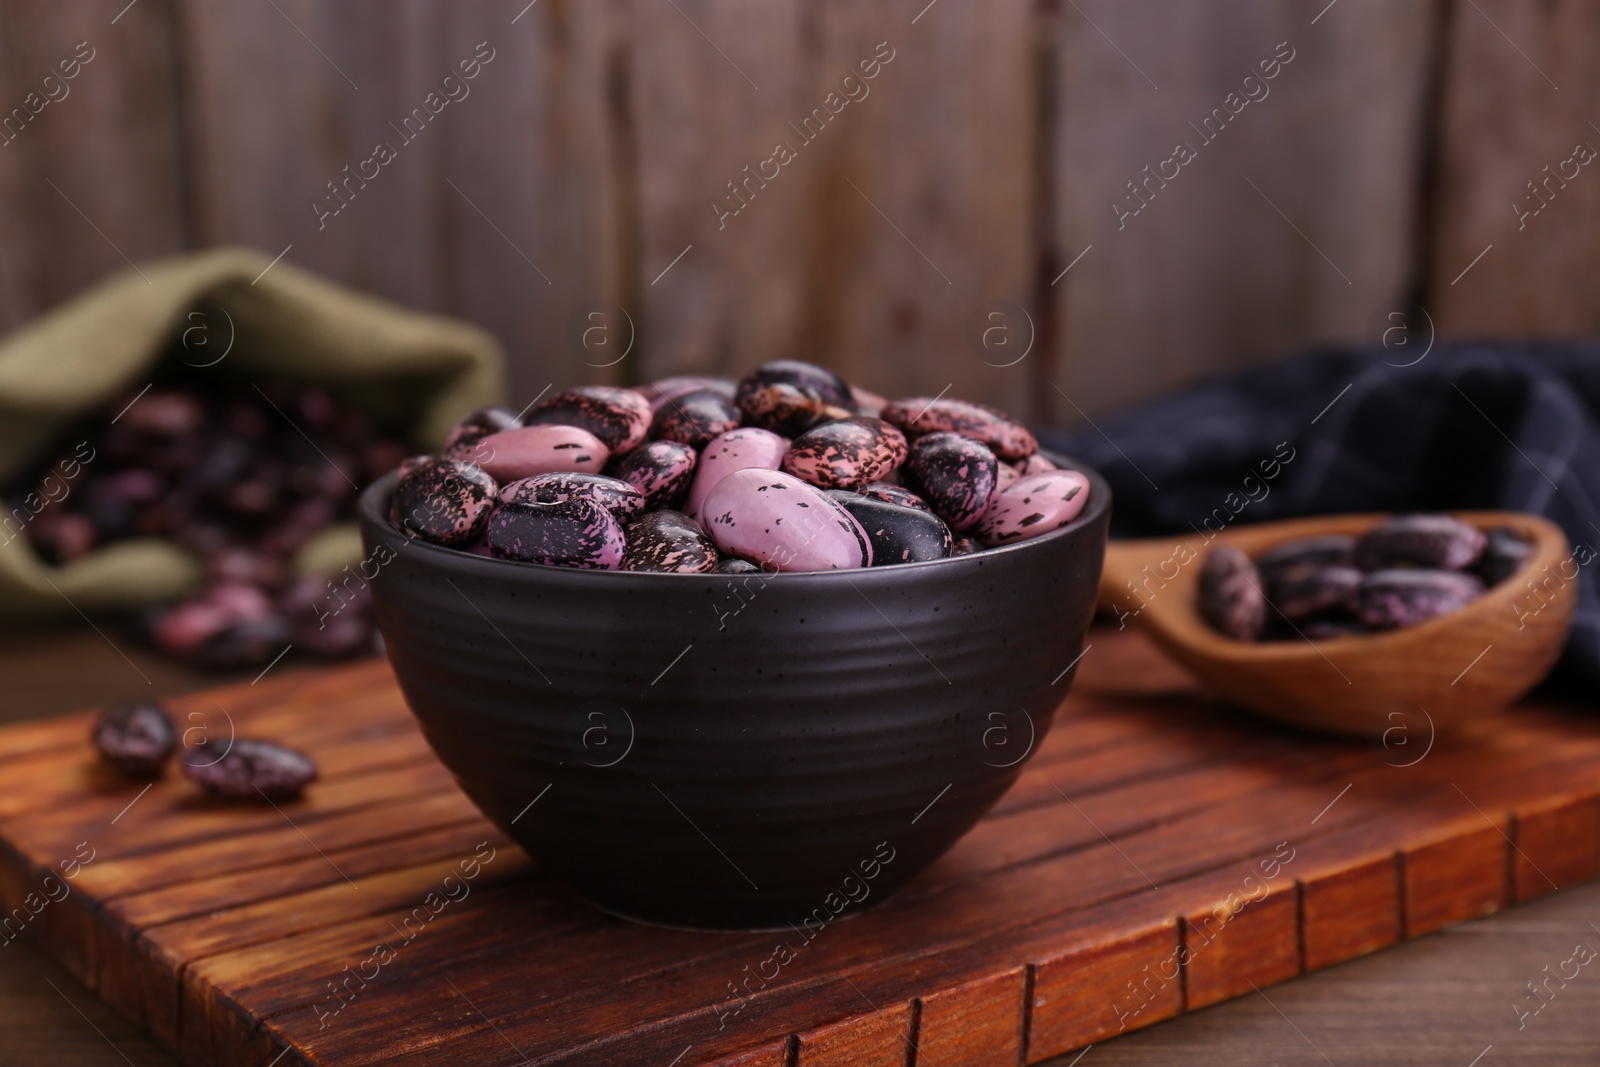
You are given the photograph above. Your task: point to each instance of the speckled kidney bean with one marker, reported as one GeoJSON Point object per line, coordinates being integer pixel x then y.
{"type": "Point", "coordinates": [789, 397]}
{"type": "Point", "coordinates": [742, 449]}
{"type": "Point", "coordinates": [511, 455]}
{"type": "Point", "coordinates": [1307, 589]}
{"type": "Point", "coordinates": [1007, 438]}
{"type": "Point", "coordinates": [695, 418]}
{"type": "Point", "coordinates": [1231, 597]}
{"type": "Point", "coordinates": [898, 534]}
{"type": "Point", "coordinates": [665, 389]}
{"type": "Point", "coordinates": [1431, 541]}
{"type": "Point", "coordinates": [203, 617]}
{"type": "Point", "coordinates": [777, 520]}
{"type": "Point", "coordinates": [476, 425]}
{"type": "Point", "coordinates": [1034, 505]}
{"type": "Point", "coordinates": [669, 541]}
{"type": "Point", "coordinates": [622, 499]}
{"type": "Point", "coordinates": [1406, 597]}
{"type": "Point", "coordinates": [955, 475]}
{"type": "Point", "coordinates": [573, 533]}
{"type": "Point", "coordinates": [251, 769]}
{"type": "Point", "coordinates": [1323, 550]}
{"type": "Point", "coordinates": [662, 470]}
{"type": "Point", "coordinates": [846, 453]}
{"type": "Point", "coordinates": [445, 501]}
{"type": "Point", "coordinates": [136, 738]}
{"type": "Point", "coordinates": [894, 494]}
{"type": "Point", "coordinates": [1505, 551]}
{"type": "Point", "coordinates": [619, 418]}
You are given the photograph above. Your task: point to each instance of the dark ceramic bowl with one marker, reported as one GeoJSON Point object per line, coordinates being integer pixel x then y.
{"type": "Point", "coordinates": [733, 752]}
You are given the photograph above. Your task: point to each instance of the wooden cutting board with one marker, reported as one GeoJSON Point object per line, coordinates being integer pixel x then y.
{"type": "Point", "coordinates": [1159, 853]}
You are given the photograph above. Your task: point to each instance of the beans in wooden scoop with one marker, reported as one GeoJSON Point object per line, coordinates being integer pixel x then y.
{"type": "Point", "coordinates": [1403, 572]}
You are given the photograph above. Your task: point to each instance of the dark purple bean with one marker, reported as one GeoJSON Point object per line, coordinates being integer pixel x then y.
{"type": "Point", "coordinates": [1505, 552]}
{"type": "Point", "coordinates": [665, 389]}
{"type": "Point", "coordinates": [136, 738]}
{"type": "Point", "coordinates": [890, 493]}
{"type": "Point", "coordinates": [898, 534]}
{"type": "Point", "coordinates": [695, 418]}
{"type": "Point", "coordinates": [622, 499]}
{"type": "Point", "coordinates": [620, 418]}
{"type": "Point", "coordinates": [955, 475]}
{"type": "Point", "coordinates": [250, 769]}
{"type": "Point", "coordinates": [1327, 550]}
{"type": "Point", "coordinates": [668, 541]}
{"type": "Point", "coordinates": [1395, 598]}
{"type": "Point", "coordinates": [445, 501]}
{"type": "Point", "coordinates": [573, 533]}
{"type": "Point", "coordinates": [476, 425]}
{"type": "Point", "coordinates": [789, 397]}
{"type": "Point", "coordinates": [1231, 599]}
{"type": "Point", "coordinates": [846, 453]}
{"type": "Point", "coordinates": [662, 470]}
{"type": "Point", "coordinates": [1308, 589]}
{"type": "Point", "coordinates": [1429, 541]}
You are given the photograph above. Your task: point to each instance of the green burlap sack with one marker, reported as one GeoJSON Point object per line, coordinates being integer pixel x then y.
{"type": "Point", "coordinates": [417, 370]}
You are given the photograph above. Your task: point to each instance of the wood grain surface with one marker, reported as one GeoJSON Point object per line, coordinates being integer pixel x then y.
{"type": "Point", "coordinates": [1158, 854]}
{"type": "Point", "coordinates": [1292, 224]}
{"type": "Point", "coordinates": [91, 166]}
{"type": "Point", "coordinates": [918, 240]}
{"type": "Point", "coordinates": [1510, 187]}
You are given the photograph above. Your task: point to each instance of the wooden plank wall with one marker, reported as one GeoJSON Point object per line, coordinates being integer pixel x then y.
{"type": "Point", "coordinates": [918, 239]}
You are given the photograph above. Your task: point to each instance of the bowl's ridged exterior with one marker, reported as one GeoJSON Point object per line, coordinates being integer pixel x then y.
{"type": "Point", "coordinates": [719, 751]}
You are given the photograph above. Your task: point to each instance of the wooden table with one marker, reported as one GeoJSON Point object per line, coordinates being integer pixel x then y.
{"type": "Point", "coordinates": [1444, 999]}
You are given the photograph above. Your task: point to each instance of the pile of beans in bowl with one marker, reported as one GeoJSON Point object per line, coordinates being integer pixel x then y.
{"type": "Point", "coordinates": [1405, 571]}
{"type": "Point", "coordinates": [787, 469]}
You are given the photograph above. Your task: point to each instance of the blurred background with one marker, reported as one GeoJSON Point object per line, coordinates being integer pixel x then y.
{"type": "Point", "coordinates": [574, 199]}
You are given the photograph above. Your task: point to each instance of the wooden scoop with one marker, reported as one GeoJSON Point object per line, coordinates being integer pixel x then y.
{"type": "Point", "coordinates": [1468, 663]}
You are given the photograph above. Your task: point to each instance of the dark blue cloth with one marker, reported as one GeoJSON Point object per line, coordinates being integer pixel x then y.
{"type": "Point", "coordinates": [1511, 426]}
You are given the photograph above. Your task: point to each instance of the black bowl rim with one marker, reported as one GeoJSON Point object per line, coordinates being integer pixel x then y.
{"type": "Point", "coordinates": [373, 512]}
